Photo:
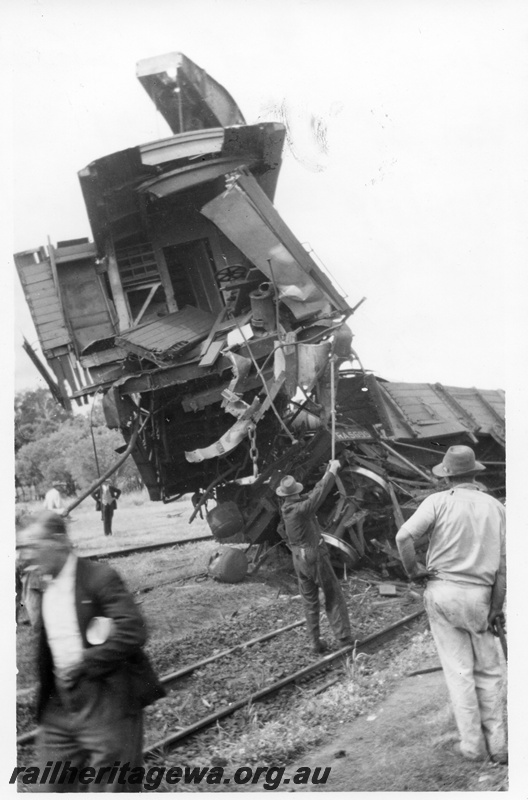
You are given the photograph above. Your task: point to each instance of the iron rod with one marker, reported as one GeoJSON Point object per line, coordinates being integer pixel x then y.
{"type": "Point", "coordinates": [333, 402]}
{"type": "Point", "coordinates": [442, 453]}
{"type": "Point", "coordinates": [87, 492]}
{"type": "Point", "coordinates": [407, 462]}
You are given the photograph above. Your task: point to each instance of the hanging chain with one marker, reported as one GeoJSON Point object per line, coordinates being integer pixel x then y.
{"type": "Point", "coordinates": [253, 451]}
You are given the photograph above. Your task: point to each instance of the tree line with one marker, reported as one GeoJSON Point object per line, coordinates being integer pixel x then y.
{"type": "Point", "coordinates": [54, 445]}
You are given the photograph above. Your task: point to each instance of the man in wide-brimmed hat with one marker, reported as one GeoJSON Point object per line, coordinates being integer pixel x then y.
{"type": "Point", "coordinates": [91, 690]}
{"type": "Point", "coordinates": [466, 588]}
{"type": "Point", "coordinates": [311, 559]}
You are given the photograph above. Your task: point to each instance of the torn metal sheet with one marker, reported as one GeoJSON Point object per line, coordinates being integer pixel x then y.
{"type": "Point", "coordinates": [234, 405]}
{"type": "Point", "coordinates": [186, 177]}
{"type": "Point", "coordinates": [231, 439]}
{"type": "Point", "coordinates": [247, 217]}
{"type": "Point", "coordinates": [185, 95]}
{"type": "Point", "coordinates": [241, 367]}
{"type": "Point", "coordinates": [312, 360]}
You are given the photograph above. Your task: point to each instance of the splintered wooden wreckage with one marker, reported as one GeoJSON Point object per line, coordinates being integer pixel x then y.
{"type": "Point", "coordinates": [223, 349]}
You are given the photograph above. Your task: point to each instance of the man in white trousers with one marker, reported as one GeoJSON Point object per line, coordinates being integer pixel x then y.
{"type": "Point", "coordinates": [466, 588]}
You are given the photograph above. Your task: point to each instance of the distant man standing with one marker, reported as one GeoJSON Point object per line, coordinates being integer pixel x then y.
{"type": "Point", "coordinates": [311, 559]}
{"type": "Point", "coordinates": [53, 499]}
{"type": "Point", "coordinates": [94, 678]}
{"type": "Point", "coordinates": [105, 498]}
{"type": "Point", "coordinates": [466, 570]}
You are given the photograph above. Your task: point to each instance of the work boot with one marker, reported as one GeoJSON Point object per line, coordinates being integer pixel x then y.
{"type": "Point", "coordinates": [346, 641]}
{"type": "Point", "coordinates": [469, 756]}
{"type": "Point", "coordinates": [320, 646]}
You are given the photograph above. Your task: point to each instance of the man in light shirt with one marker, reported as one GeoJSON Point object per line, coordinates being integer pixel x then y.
{"type": "Point", "coordinates": [91, 688]}
{"type": "Point", "coordinates": [53, 499]}
{"type": "Point", "coordinates": [466, 589]}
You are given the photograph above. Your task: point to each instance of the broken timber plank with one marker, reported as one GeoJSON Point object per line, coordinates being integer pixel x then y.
{"type": "Point", "coordinates": [212, 353]}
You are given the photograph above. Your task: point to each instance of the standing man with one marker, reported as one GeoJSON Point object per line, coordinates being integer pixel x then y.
{"type": "Point", "coordinates": [311, 559]}
{"type": "Point", "coordinates": [94, 678]}
{"type": "Point", "coordinates": [466, 567]}
{"type": "Point", "coordinates": [105, 501]}
{"type": "Point", "coordinates": [52, 498]}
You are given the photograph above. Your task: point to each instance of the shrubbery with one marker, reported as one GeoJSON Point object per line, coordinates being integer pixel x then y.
{"type": "Point", "coordinates": [54, 445]}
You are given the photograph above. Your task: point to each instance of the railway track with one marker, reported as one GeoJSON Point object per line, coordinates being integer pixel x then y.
{"type": "Point", "coordinates": [146, 548]}
{"type": "Point", "coordinates": [372, 641]}
{"type": "Point", "coordinates": [172, 679]}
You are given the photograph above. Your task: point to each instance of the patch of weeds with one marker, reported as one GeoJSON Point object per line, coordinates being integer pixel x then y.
{"type": "Point", "coordinates": [312, 717]}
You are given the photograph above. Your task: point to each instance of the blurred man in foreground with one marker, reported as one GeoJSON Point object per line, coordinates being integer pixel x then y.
{"type": "Point", "coordinates": [466, 573]}
{"type": "Point", "coordinates": [94, 678]}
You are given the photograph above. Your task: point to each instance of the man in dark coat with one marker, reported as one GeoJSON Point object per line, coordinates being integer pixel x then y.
{"type": "Point", "coordinates": [105, 501]}
{"type": "Point", "coordinates": [94, 678]}
{"type": "Point", "coordinates": [311, 558]}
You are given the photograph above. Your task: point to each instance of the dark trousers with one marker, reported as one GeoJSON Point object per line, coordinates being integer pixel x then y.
{"type": "Point", "coordinates": [314, 571]}
{"type": "Point", "coordinates": [98, 735]}
{"type": "Point", "coordinates": [107, 512]}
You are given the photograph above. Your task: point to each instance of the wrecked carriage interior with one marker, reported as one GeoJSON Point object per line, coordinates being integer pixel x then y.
{"type": "Point", "coordinates": [218, 339]}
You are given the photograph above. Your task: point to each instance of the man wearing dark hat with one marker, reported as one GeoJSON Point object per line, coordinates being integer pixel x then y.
{"type": "Point", "coordinates": [94, 678]}
{"type": "Point", "coordinates": [105, 501]}
{"type": "Point", "coordinates": [311, 559]}
{"type": "Point", "coordinates": [466, 568]}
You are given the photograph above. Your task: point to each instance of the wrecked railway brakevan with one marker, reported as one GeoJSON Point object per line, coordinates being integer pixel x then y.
{"type": "Point", "coordinates": [222, 348]}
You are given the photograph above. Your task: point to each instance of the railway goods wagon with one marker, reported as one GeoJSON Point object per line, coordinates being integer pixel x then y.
{"type": "Point", "coordinates": [221, 346]}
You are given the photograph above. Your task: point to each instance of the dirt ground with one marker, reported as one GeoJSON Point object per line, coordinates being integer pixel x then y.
{"type": "Point", "coordinates": [404, 744]}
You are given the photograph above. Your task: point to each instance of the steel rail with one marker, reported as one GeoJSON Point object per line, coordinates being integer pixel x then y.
{"type": "Point", "coordinates": [27, 738]}
{"type": "Point", "coordinates": [146, 548]}
{"type": "Point", "coordinates": [180, 673]}
{"type": "Point", "coordinates": [171, 677]}
{"type": "Point", "coordinates": [204, 722]}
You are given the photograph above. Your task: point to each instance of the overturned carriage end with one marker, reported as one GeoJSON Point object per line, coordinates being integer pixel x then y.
{"type": "Point", "coordinates": [185, 95]}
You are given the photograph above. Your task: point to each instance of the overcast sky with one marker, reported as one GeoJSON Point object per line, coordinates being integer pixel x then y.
{"type": "Point", "coordinates": [407, 194]}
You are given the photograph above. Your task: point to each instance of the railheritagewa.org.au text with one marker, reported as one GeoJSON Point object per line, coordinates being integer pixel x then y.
{"type": "Point", "coordinates": [150, 778]}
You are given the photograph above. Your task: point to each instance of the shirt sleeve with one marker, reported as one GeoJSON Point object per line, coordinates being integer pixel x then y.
{"type": "Point", "coordinates": [310, 505]}
{"type": "Point", "coordinates": [421, 521]}
{"type": "Point", "coordinates": [129, 631]}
